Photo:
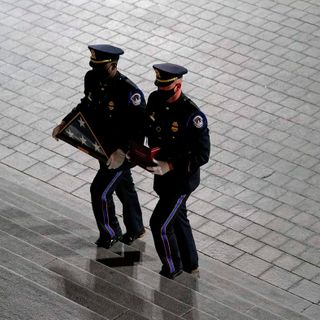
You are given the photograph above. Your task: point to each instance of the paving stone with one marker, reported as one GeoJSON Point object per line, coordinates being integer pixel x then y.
{"type": "Point", "coordinates": [5, 151]}
{"type": "Point", "coordinates": [260, 217]}
{"type": "Point", "coordinates": [73, 168]}
{"type": "Point", "coordinates": [230, 237]}
{"type": "Point", "coordinates": [293, 247]}
{"type": "Point", "coordinates": [251, 265]}
{"type": "Point", "coordinates": [307, 271]}
{"type": "Point", "coordinates": [288, 262]}
{"type": "Point", "coordinates": [200, 207]}
{"type": "Point", "coordinates": [57, 161]}
{"type": "Point", "coordinates": [219, 215]}
{"type": "Point", "coordinates": [42, 171]}
{"type": "Point", "coordinates": [249, 245]}
{"type": "Point", "coordinates": [280, 225]}
{"type": "Point", "coordinates": [19, 161]}
{"type": "Point", "coordinates": [312, 311]}
{"type": "Point", "coordinates": [276, 239]}
{"type": "Point", "coordinates": [268, 253]}
{"type": "Point", "coordinates": [226, 202]}
{"type": "Point", "coordinates": [66, 182]}
{"type": "Point", "coordinates": [211, 228]}
{"type": "Point", "coordinates": [299, 233]}
{"type": "Point", "coordinates": [280, 277]}
{"type": "Point", "coordinates": [307, 290]}
{"type": "Point", "coordinates": [11, 141]}
{"type": "Point", "coordinates": [248, 196]}
{"type": "Point", "coordinates": [305, 219]}
{"type": "Point", "coordinates": [206, 194]}
{"type": "Point", "coordinates": [243, 210]}
{"type": "Point", "coordinates": [26, 147]}
{"type": "Point", "coordinates": [237, 223]}
{"type": "Point", "coordinates": [311, 255]}
{"type": "Point", "coordinates": [255, 231]}
{"type": "Point", "coordinates": [254, 183]}
{"type": "Point", "coordinates": [223, 252]}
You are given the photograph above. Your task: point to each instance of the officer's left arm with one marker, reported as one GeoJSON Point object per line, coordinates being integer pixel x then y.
{"type": "Point", "coordinates": [136, 114]}
{"type": "Point", "coordinates": [198, 140]}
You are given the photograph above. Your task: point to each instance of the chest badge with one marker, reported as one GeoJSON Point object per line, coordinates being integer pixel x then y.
{"type": "Point", "coordinates": [174, 126]}
{"type": "Point", "coordinates": [111, 105]}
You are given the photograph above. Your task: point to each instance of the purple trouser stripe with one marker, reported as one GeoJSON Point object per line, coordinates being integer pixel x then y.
{"type": "Point", "coordinates": [164, 237]}
{"type": "Point", "coordinates": [105, 206]}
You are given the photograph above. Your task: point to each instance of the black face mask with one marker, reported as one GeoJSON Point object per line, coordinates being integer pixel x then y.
{"type": "Point", "coordinates": [166, 94]}
{"type": "Point", "coordinates": [101, 71]}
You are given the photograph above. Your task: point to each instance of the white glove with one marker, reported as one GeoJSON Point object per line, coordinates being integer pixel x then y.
{"type": "Point", "coordinates": [116, 159]}
{"type": "Point", "coordinates": [57, 129]}
{"type": "Point", "coordinates": [162, 167]}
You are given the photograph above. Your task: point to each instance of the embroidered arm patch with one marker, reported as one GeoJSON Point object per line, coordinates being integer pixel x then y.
{"type": "Point", "coordinates": [136, 99]}
{"type": "Point", "coordinates": [198, 120]}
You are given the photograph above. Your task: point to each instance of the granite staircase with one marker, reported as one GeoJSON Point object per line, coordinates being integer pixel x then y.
{"type": "Point", "coordinates": [51, 269]}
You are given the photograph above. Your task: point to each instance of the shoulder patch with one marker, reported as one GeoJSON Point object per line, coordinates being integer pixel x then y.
{"type": "Point", "coordinates": [136, 99]}
{"type": "Point", "coordinates": [198, 121]}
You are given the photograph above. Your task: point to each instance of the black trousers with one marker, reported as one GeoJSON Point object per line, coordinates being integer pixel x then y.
{"type": "Point", "coordinates": [172, 234]}
{"type": "Point", "coordinates": [103, 186]}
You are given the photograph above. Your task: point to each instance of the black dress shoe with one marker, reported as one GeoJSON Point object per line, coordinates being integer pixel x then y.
{"type": "Point", "coordinates": [129, 238]}
{"type": "Point", "coordinates": [107, 243]}
{"type": "Point", "coordinates": [171, 275]}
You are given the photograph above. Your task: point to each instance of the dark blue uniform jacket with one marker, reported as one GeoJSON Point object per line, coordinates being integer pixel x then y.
{"type": "Point", "coordinates": [180, 130]}
{"type": "Point", "coordinates": [115, 110]}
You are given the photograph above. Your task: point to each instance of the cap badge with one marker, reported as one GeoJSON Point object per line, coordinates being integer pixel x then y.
{"type": "Point", "coordinates": [93, 54]}
{"type": "Point", "coordinates": [157, 74]}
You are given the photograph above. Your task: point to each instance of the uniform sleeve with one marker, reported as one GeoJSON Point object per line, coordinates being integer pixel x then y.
{"type": "Point", "coordinates": [135, 118]}
{"type": "Point", "coordinates": [198, 144]}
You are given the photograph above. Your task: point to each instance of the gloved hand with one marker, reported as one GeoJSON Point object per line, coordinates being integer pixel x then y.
{"type": "Point", "coordinates": [162, 167]}
{"type": "Point", "coordinates": [57, 129]}
{"type": "Point", "coordinates": [116, 159]}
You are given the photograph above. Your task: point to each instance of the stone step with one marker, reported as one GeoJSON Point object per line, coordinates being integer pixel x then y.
{"type": "Point", "coordinates": [52, 256]}
{"type": "Point", "coordinates": [31, 236]}
{"type": "Point", "coordinates": [235, 291]}
{"type": "Point", "coordinates": [204, 304]}
{"type": "Point", "coordinates": [85, 289]}
{"type": "Point", "coordinates": [210, 287]}
{"type": "Point", "coordinates": [62, 286]}
{"type": "Point", "coordinates": [233, 302]}
{"type": "Point", "coordinates": [24, 299]}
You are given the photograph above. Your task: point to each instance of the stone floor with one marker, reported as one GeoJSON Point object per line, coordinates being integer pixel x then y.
{"type": "Point", "coordinates": [253, 69]}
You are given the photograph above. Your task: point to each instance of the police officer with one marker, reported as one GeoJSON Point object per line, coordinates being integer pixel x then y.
{"type": "Point", "coordinates": [176, 125]}
{"type": "Point", "coordinates": [116, 106]}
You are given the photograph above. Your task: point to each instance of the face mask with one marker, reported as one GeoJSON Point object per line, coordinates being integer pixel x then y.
{"type": "Point", "coordinates": [166, 94]}
{"type": "Point", "coordinates": [98, 69]}
{"type": "Point", "coordinates": [102, 71]}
